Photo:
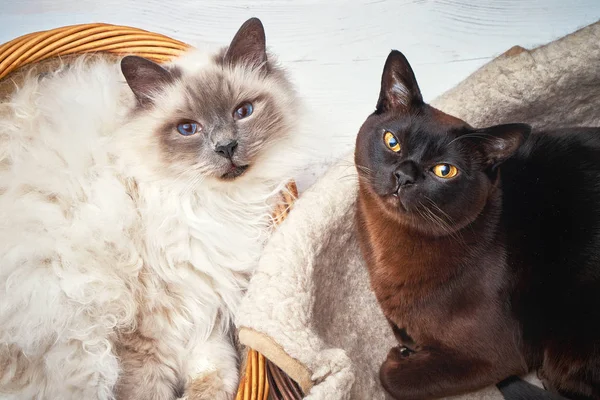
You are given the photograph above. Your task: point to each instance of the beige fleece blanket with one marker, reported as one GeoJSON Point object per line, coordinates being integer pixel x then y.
{"type": "Point", "coordinates": [309, 307]}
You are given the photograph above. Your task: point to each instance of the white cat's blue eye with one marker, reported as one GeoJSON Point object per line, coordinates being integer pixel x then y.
{"type": "Point", "coordinates": [188, 128]}
{"type": "Point", "coordinates": [243, 111]}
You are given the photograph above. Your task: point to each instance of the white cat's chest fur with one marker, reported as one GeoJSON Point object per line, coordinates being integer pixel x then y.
{"type": "Point", "coordinates": [198, 252]}
{"type": "Point", "coordinates": [203, 244]}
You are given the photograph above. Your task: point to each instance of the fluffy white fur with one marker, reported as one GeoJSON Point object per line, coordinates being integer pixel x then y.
{"type": "Point", "coordinates": [105, 250]}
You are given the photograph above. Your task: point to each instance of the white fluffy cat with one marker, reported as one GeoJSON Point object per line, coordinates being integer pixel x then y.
{"type": "Point", "coordinates": [134, 203]}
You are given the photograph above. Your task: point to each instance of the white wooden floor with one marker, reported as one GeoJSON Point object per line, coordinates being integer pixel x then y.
{"type": "Point", "coordinates": [335, 49]}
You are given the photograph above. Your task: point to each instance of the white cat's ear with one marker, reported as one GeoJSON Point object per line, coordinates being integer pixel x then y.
{"type": "Point", "coordinates": [500, 142]}
{"type": "Point", "coordinates": [399, 89]}
{"type": "Point", "coordinates": [144, 77]}
{"type": "Point", "coordinates": [248, 46]}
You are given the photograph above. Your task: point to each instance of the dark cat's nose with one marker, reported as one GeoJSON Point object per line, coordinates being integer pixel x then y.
{"type": "Point", "coordinates": [406, 174]}
{"type": "Point", "coordinates": [227, 150]}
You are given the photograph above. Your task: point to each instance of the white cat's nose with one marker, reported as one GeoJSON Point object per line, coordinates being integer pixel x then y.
{"type": "Point", "coordinates": [226, 150]}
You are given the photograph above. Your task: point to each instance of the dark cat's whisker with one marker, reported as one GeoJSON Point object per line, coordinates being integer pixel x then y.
{"type": "Point", "coordinates": [353, 177]}
{"type": "Point", "coordinates": [359, 168]}
{"type": "Point", "coordinates": [439, 221]}
{"type": "Point", "coordinates": [450, 220]}
{"type": "Point", "coordinates": [367, 177]}
{"type": "Point", "coordinates": [364, 169]}
{"type": "Point", "coordinates": [363, 174]}
{"type": "Point", "coordinates": [432, 217]}
{"type": "Point", "coordinates": [424, 216]}
{"type": "Point", "coordinates": [344, 162]}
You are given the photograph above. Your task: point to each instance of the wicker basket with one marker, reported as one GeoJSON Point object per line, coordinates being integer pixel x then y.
{"type": "Point", "coordinates": [261, 379]}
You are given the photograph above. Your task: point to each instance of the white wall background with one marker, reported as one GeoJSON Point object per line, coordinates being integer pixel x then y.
{"type": "Point", "coordinates": [335, 49]}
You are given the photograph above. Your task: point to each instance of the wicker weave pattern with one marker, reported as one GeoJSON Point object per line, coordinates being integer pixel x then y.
{"type": "Point", "coordinates": [86, 38]}
{"type": "Point", "coordinates": [99, 37]}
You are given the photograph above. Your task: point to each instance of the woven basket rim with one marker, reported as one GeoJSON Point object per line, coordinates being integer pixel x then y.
{"type": "Point", "coordinates": [87, 38]}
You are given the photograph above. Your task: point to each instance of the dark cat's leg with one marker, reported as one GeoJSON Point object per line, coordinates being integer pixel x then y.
{"type": "Point", "coordinates": [429, 374]}
{"type": "Point", "coordinates": [572, 372]}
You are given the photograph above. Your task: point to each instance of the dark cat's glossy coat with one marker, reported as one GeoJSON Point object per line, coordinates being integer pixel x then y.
{"type": "Point", "coordinates": [489, 274]}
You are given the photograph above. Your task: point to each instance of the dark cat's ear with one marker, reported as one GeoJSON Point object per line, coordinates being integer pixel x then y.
{"type": "Point", "coordinates": [248, 46]}
{"type": "Point", "coordinates": [144, 77]}
{"type": "Point", "coordinates": [399, 89]}
{"type": "Point", "coordinates": [500, 142]}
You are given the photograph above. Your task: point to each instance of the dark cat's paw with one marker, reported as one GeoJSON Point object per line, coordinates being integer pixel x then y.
{"type": "Point", "coordinates": [390, 369]}
{"type": "Point", "coordinates": [396, 356]}
{"type": "Point", "coordinates": [399, 353]}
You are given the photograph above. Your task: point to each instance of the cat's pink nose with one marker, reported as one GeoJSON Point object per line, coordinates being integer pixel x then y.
{"type": "Point", "coordinates": [227, 150]}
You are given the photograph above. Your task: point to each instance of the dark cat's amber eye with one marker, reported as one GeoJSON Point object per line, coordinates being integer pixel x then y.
{"type": "Point", "coordinates": [445, 171]}
{"type": "Point", "coordinates": [188, 128]}
{"type": "Point", "coordinates": [243, 111]}
{"type": "Point", "coordinates": [391, 141]}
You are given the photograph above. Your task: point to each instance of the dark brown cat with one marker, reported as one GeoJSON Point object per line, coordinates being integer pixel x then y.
{"type": "Point", "coordinates": [483, 246]}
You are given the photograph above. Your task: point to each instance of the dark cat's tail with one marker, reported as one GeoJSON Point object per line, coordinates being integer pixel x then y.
{"type": "Point", "coordinates": [514, 388]}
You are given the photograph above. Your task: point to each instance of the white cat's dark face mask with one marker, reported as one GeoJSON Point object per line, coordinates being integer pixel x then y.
{"type": "Point", "coordinates": [226, 115]}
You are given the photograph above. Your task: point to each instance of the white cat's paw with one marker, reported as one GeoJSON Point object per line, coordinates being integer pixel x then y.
{"type": "Point", "coordinates": [207, 387]}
